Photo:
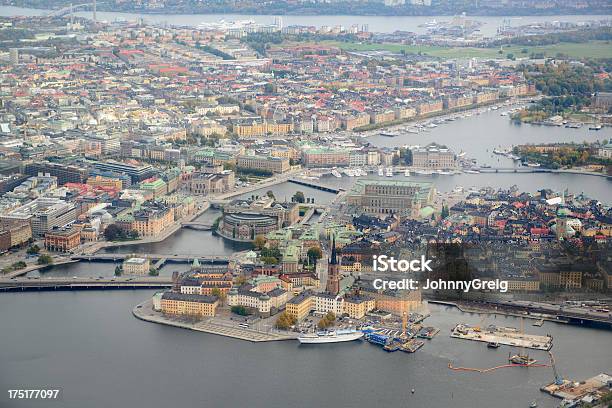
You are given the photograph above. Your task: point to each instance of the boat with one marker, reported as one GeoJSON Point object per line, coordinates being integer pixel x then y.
{"type": "Point", "coordinates": [522, 359]}
{"type": "Point", "coordinates": [336, 173]}
{"type": "Point", "coordinates": [533, 164]}
{"type": "Point", "coordinates": [534, 404]}
{"type": "Point", "coordinates": [389, 172]}
{"type": "Point", "coordinates": [461, 154]}
{"type": "Point", "coordinates": [389, 134]}
{"type": "Point", "coordinates": [538, 323]}
{"type": "Point", "coordinates": [493, 344]}
{"type": "Point", "coordinates": [412, 131]}
{"type": "Point", "coordinates": [595, 127]}
{"type": "Point", "coordinates": [391, 346]}
{"type": "Point", "coordinates": [471, 171]}
{"type": "Point", "coordinates": [335, 336]}
{"type": "Point", "coordinates": [407, 173]}
{"type": "Point", "coordinates": [381, 171]}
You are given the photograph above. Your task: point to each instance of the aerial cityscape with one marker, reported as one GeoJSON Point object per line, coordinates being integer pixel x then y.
{"type": "Point", "coordinates": [297, 204]}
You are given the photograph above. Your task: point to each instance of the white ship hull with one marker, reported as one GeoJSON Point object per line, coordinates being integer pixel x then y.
{"type": "Point", "coordinates": [332, 338]}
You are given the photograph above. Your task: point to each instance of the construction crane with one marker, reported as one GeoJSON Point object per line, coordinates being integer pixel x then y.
{"type": "Point", "coordinates": [404, 324]}
{"type": "Point", "coordinates": [558, 378]}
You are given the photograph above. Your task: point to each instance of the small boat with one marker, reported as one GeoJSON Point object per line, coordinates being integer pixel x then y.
{"type": "Point", "coordinates": [336, 173]}
{"type": "Point", "coordinates": [534, 404]}
{"type": "Point", "coordinates": [522, 359]}
{"type": "Point", "coordinates": [389, 134]}
{"type": "Point", "coordinates": [389, 172]}
{"type": "Point", "coordinates": [381, 171]}
{"type": "Point", "coordinates": [493, 344]}
{"type": "Point", "coordinates": [471, 171]}
{"type": "Point", "coordinates": [533, 164]}
{"type": "Point", "coordinates": [407, 173]}
{"type": "Point", "coordinates": [595, 127]}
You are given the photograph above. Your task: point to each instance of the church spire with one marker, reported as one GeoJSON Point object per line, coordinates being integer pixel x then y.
{"type": "Point", "coordinates": [333, 260]}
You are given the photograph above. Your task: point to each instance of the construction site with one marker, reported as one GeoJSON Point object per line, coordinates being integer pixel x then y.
{"type": "Point", "coordinates": [508, 336]}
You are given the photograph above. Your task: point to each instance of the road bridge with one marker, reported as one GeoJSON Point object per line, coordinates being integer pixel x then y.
{"type": "Point", "coordinates": [186, 258]}
{"type": "Point", "coordinates": [83, 283]}
{"type": "Point", "coordinates": [316, 185]}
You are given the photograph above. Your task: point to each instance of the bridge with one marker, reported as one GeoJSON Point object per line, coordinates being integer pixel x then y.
{"type": "Point", "coordinates": [158, 259]}
{"type": "Point", "coordinates": [83, 283]}
{"type": "Point", "coordinates": [72, 8]}
{"type": "Point", "coordinates": [198, 225]}
{"type": "Point", "coordinates": [316, 185]}
{"type": "Point", "coordinates": [515, 170]}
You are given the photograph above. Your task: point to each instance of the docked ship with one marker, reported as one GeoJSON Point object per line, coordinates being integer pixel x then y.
{"type": "Point", "coordinates": [336, 336]}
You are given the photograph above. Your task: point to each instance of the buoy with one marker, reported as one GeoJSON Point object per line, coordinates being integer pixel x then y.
{"type": "Point", "coordinates": [412, 391]}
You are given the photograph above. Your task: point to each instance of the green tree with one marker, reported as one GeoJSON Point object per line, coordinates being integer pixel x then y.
{"type": "Point", "coordinates": [270, 194]}
{"type": "Point", "coordinates": [45, 260]}
{"type": "Point", "coordinates": [219, 294]}
{"type": "Point", "coordinates": [259, 242]}
{"type": "Point", "coordinates": [118, 270]}
{"type": "Point", "coordinates": [444, 212]}
{"type": "Point", "coordinates": [33, 250]}
{"type": "Point", "coordinates": [298, 197]}
{"type": "Point", "coordinates": [240, 310]}
{"type": "Point", "coordinates": [153, 271]}
{"type": "Point", "coordinates": [314, 254]}
{"type": "Point", "coordinates": [112, 232]}
{"type": "Point", "coordinates": [285, 321]}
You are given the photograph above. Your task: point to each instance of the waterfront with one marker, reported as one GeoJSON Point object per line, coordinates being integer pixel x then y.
{"type": "Point", "coordinates": [90, 345]}
{"type": "Point", "coordinates": [381, 24]}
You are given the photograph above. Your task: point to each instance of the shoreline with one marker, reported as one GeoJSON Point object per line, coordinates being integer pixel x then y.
{"type": "Point", "coordinates": [144, 311]}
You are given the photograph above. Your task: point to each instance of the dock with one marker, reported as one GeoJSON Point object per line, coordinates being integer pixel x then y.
{"type": "Point", "coordinates": [577, 390]}
{"type": "Point", "coordinates": [508, 336]}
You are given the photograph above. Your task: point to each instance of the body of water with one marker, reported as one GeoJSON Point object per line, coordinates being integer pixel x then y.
{"type": "Point", "coordinates": [382, 24]}
{"type": "Point", "coordinates": [89, 345]}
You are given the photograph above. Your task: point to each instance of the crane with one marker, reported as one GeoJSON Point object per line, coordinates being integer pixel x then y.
{"type": "Point", "coordinates": [558, 378]}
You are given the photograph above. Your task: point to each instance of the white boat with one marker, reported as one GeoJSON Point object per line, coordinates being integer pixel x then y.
{"type": "Point", "coordinates": [533, 164]}
{"type": "Point", "coordinates": [471, 171]}
{"type": "Point", "coordinates": [413, 131]}
{"type": "Point", "coordinates": [389, 172]}
{"type": "Point", "coordinates": [381, 171]}
{"type": "Point", "coordinates": [336, 173]}
{"type": "Point", "coordinates": [407, 173]}
{"type": "Point", "coordinates": [337, 336]}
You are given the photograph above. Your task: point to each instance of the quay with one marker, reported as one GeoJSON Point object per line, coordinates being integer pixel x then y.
{"type": "Point", "coordinates": [535, 310]}
{"type": "Point", "coordinates": [50, 284]}
{"type": "Point", "coordinates": [502, 335]}
{"type": "Point", "coordinates": [577, 390]}
{"type": "Point", "coordinates": [144, 311]}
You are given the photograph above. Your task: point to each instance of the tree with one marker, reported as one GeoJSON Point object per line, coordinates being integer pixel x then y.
{"type": "Point", "coordinates": [298, 197]}
{"type": "Point", "coordinates": [33, 250]}
{"type": "Point", "coordinates": [240, 310]}
{"type": "Point", "coordinates": [285, 321]}
{"type": "Point", "coordinates": [112, 232]}
{"type": "Point", "coordinates": [327, 320]}
{"type": "Point", "coordinates": [219, 294]}
{"type": "Point", "coordinates": [153, 271]}
{"type": "Point", "coordinates": [269, 260]}
{"type": "Point", "coordinates": [313, 254]}
{"type": "Point", "coordinates": [445, 212]}
{"type": "Point", "coordinates": [270, 194]}
{"type": "Point", "coordinates": [118, 270]}
{"type": "Point", "coordinates": [45, 260]}
{"type": "Point", "coordinates": [259, 242]}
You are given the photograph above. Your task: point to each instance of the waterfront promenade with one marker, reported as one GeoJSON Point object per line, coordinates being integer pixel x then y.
{"type": "Point", "coordinates": [144, 311]}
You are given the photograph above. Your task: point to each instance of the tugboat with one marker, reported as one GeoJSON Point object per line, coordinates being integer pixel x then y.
{"type": "Point", "coordinates": [493, 344]}
{"type": "Point", "coordinates": [521, 359]}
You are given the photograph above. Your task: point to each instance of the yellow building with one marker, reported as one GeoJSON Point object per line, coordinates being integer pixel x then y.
{"type": "Point", "coordinates": [299, 306]}
{"type": "Point", "coordinates": [136, 266]}
{"type": "Point", "coordinates": [99, 181]}
{"type": "Point", "coordinates": [192, 305]}
{"type": "Point", "coordinates": [523, 285]}
{"type": "Point", "coordinates": [570, 279]}
{"type": "Point", "coordinates": [357, 306]}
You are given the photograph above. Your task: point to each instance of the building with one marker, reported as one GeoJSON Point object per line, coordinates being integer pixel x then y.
{"type": "Point", "coordinates": [136, 266]}
{"type": "Point", "coordinates": [326, 302]}
{"type": "Point", "coordinates": [15, 235]}
{"type": "Point", "coordinates": [150, 219]}
{"type": "Point", "coordinates": [356, 307]}
{"type": "Point", "coordinates": [203, 183]}
{"type": "Point", "coordinates": [64, 173]}
{"type": "Point", "coordinates": [300, 305]}
{"type": "Point", "coordinates": [264, 164]}
{"type": "Point", "coordinates": [333, 272]}
{"type": "Point", "coordinates": [404, 198]}
{"type": "Point", "coordinates": [62, 240]}
{"type": "Point", "coordinates": [325, 157]}
{"type": "Point", "coordinates": [433, 157]}
{"type": "Point", "coordinates": [191, 305]}
{"type": "Point", "coordinates": [243, 220]}
{"type": "Point", "coordinates": [105, 182]}
{"type": "Point", "coordinates": [43, 214]}
{"type": "Point", "coordinates": [135, 172]}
